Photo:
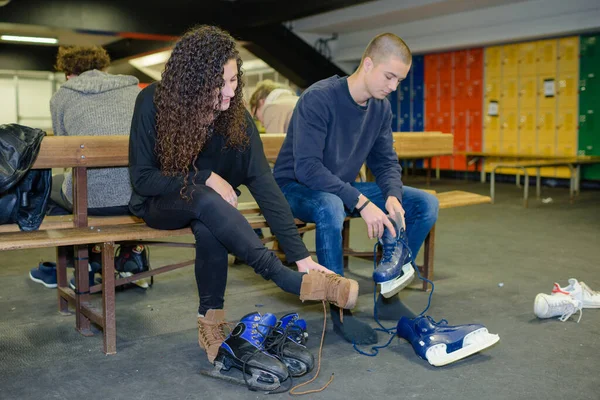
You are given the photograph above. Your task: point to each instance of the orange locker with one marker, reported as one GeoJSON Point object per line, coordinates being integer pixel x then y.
{"type": "Point", "coordinates": [475, 64]}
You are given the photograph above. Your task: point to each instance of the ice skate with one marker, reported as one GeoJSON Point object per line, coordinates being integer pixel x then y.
{"type": "Point", "coordinates": [557, 305]}
{"type": "Point", "coordinates": [579, 291]}
{"type": "Point", "coordinates": [244, 350]}
{"type": "Point", "coordinates": [287, 342]}
{"type": "Point", "coordinates": [441, 344]}
{"type": "Point", "coordinates": [395, 270]}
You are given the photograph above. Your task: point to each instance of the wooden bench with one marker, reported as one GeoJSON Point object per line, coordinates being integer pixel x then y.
{"type": "Point", "coordinates": [79, 230]}
{"type": "Point", "coordinates": [573, 163]}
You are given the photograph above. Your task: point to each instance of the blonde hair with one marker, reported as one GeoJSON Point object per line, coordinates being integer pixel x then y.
{"type": "Point", "coordinates": [384, 45]}
{"type": "Point", "coordinates": [263, 89]}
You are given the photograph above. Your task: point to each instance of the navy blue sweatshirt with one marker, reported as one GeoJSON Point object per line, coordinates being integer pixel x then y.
{"type": "Point", "coordinates": [248, 167]}
{"type": "Point", "coordinates": [329, 138]}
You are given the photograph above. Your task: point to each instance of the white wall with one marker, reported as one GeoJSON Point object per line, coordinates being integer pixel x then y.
{"type": "Point", "coordinates": [25, 97]}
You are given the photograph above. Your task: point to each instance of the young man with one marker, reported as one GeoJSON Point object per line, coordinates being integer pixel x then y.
{"type": "Point", "coordinates": [338, 124]}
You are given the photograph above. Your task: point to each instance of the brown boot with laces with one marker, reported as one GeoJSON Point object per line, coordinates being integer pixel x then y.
{"type": "Point", "coordinates": [211, 333]}
{"type": "Point", "coordinates": [334, 288]}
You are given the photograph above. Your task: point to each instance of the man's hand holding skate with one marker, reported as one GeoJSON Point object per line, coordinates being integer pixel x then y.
{"type": "Point", "coordinates": [375, 219]}
{"type": "Point", "coordinates": [394, 208]}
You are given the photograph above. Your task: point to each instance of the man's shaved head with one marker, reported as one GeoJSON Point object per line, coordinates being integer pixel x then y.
{"type": "Point", "coordinates": [385, 45]}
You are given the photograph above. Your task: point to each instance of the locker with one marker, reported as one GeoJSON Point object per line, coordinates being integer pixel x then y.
{"type": "Point", "coordinates": [460, 60]}
{"type": "Point", "coordinates": [431, 67]}
{"type": "Point", "coordinates": [546, 128]}
{"type": "Point", "coordinates": [527, 59]}
{"type": "Point", "coordinates": [474, 126]}
{"type": "Point", "coordinates": [546, 57]}
{"type": "Point", "coordinates": [509, 127]}
{"type": "Point", "coordinates": [509, 93]}
{"type": "Point", "coordinates": [510, 60]}
{"type": "Point", "coordinates": [445, 66]}
{"type": "Point", "coordinates": [418, 69]}
{"type": "Point", "coordinates": [432, 91]}
{"type": "Point", "coordinates": [568, 54]}
{"type": "Point", "coordinates": [474, 95]}
{"type": "Point", "coordinates": [528, 92]}
{"type": "Point", "coordinates": [493, 62]}
{"type": "Point", "coordinates": [567, 90]}
{"type": "Point", "coordinates": [492, 90]}
{"type": "Point", "coordinates": [566, 132]}
{"type": "Point", "coordinates": [475, 64]}
{"type": "Point", "coordinates": [527, 131]}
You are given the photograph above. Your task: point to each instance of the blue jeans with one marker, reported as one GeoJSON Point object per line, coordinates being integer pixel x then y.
{"type": "Point", "coordinates": [327, 212]}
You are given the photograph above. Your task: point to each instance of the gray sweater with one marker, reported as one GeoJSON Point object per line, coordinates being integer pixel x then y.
{"type": "Point", "coordinates": [95, 104]}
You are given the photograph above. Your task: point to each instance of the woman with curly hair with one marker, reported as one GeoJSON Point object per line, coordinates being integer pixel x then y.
{"type": "Point", "coordinates": [192, 144]}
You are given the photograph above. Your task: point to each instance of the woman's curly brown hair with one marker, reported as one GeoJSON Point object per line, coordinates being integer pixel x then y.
{"type": "Point", "coordinates": [75, 60]}
{"type": "Point", "coordinates": [187, 101]}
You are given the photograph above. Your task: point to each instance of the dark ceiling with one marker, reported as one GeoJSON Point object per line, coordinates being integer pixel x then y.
{"type": "Point", "coordinates": [258, 22]}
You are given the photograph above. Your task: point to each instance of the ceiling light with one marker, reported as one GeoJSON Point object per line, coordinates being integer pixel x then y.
{"type": "Point", "coordinates": [28, 39]}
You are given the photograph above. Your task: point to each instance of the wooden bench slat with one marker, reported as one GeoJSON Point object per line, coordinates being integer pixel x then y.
{"type": "Point", "coordinates": [66, 221]}
{"type": "Point", "coordinates": [459, 198]}
{"type": "Point", "coordinates": [83, 151]}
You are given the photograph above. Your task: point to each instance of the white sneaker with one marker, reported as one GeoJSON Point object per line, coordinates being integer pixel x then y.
{"type": "Point", "coordinates": [579, 291]}
{"type": "Point", "coordinates": [563, 305]}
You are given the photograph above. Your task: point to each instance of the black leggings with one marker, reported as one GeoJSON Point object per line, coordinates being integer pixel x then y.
{"type": "Point", "coordinates": [219, 228]}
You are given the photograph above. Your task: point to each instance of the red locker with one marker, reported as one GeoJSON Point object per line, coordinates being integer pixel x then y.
{"type": "Point", "coordinates": [475, 64]}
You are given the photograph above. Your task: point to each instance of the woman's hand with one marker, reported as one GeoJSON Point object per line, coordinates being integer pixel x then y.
{"type": "Point", "coordinates": [222, 187]}
{"type": "Point", "coordinates": [307, 264]}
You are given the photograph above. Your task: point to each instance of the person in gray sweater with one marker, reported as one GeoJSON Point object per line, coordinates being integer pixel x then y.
{"type": "Point", "coordinates": [92, 102]}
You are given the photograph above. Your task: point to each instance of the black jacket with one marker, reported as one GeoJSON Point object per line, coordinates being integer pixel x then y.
{"type": "Point", "coordinates": [24, 193]}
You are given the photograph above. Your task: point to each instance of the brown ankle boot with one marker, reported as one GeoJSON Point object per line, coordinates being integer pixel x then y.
{"type": "Point", "coordinates": [333, 288]}
{"type": "Point", "coordinates": [210, 332]}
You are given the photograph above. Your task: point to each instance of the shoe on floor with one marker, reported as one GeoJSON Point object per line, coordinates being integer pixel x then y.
{"type": "Point", "coordinates": [557, 305]}
{"type": "Point", "coordinates": [45, 273]}
{"type": "Point", "coordinates": [579, 291]}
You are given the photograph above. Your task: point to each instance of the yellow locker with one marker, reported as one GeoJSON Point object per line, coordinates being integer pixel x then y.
{"type": "Point", "coordinates": [567, 90]}
{"type": "Point", "coordinates": [546, 129]}
{"type": "Point", "coordinates": [546, 56]}
{"type": "Point", "coordinates": [509, 93]}
{"type": "Point", "coordinates": [547, 87]}
{"type": "Point", "coordinates": [491, 134]}
{"type": "Point", "coordinates": [527, 59]}
{"type": "Point", "coordinates": [493, 62]}
{"type": "Point", "coordinates": [510, 60]}
{"type": "Point", "coordinates": [566, 127]}
{"type": "Point", "coordinates": [527, 131]}
{"type": "Point", "coordinates": [568, 54]}
{"type": "Point", "coordinates": [492, 89]}
{"type": "Point", "coordinates": [527, 91]}
{"type": "Point", "coordinates": [510, 130]}
{"type": "Point", "coordinates": [564, 150]}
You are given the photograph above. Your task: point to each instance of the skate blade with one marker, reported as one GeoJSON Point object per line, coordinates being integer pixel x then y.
{"type": "Point", "coordinates": [295, 367]}
{"type": "Point", "coordinates": [473, 343]}
{"type": "Point", "coordinates": [393, 287]}
{"type": "Point", "coordinates": [253, 381]}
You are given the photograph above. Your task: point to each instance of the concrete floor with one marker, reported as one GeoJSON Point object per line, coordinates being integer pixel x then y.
{"type": "Point", "coordinates": [477, 247]}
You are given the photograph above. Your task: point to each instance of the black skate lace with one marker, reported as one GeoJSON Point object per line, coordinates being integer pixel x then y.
{"type": "Point", "coordinates": [388, 252]}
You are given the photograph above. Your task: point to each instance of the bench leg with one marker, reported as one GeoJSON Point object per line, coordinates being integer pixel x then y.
{"type": "Point", "coordinates": [82, 290]}
{"type": "Point", "coordinates": [108, 298]}
{"type": "Point", "coordinates": [526, 189]}
{"type": "Point", "coordinates": [538, 183]}
{"type": "Point", "coordinates": [61, 278]}
{"type": "Point", "coordinates": [346, 241]}
{"type": "Point", "coordinates": [493, 184]}
{"type": "Point", "coordinates": [428, 247]}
